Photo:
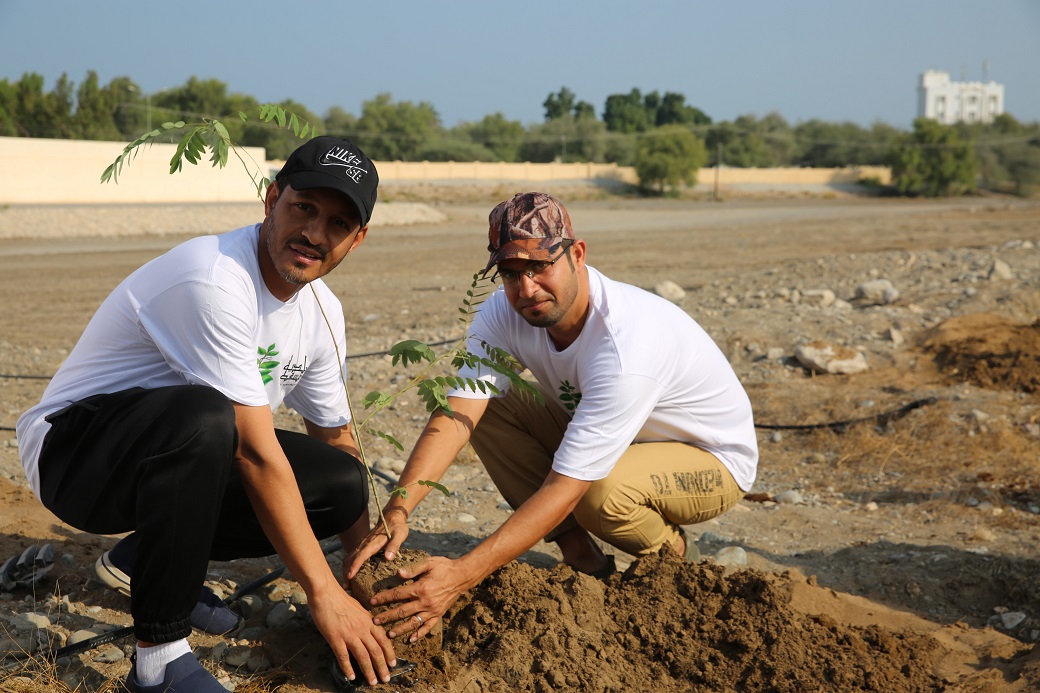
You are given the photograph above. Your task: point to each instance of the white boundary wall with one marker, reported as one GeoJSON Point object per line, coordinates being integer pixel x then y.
{"type": "Point", "coordinates": [42, 171]}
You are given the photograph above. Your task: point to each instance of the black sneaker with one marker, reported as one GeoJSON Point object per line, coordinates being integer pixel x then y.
{"type": "Point", "coordinates": [210, 615]}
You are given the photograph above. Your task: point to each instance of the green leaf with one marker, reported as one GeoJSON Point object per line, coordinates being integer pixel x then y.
{"type": "Point", "coordinates": [390, 439]}
{"type": "Point", "coordinates": [399, 492]}
{"type": "Point", "coordinates": [411, 351]}
{"type": "Point", "coordinates": [433, 484]}
{"type": "Point", "coordinates": [268, 364]}
{"type": "Point", "coordinates": [376, 399]}
{"type": "Point", "coordinates": [221, 131]}
{"type": "Point", "coordinates": [434, 397]}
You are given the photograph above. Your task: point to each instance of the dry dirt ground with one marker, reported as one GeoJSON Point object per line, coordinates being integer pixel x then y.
{"type": "Point", "coordinates": [894, 553]}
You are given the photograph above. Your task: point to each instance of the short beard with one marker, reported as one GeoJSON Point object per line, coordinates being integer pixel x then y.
{"type": "Point", "coordinates": [288, 273]}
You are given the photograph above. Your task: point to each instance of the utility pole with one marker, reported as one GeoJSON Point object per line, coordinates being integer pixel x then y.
{"type": "Point", "coordinates": [718, 165]}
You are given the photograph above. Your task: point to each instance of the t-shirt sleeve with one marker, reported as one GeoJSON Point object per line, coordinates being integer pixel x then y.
{"type": "Point", "coordinates": [607, 419]}
{"type": "Point", "coordinates": [205, 333]}
{"type": "Point", "coordinates": [320, 396]}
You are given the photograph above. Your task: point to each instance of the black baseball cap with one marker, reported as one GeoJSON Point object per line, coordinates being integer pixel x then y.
{"type": "Point", "coordinates": [336, 163]}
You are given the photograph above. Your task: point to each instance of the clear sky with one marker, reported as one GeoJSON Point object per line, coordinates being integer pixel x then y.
{"type": "Point", "coordinates": [835, 60]}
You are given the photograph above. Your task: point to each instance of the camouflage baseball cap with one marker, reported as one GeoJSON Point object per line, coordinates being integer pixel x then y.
{"type": "Point", "coordinates": [530, 226]}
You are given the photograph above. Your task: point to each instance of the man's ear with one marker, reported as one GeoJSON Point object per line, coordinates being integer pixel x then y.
{"type": "Point", "coordinates": [362, 232]}
{"type": "Point", "coordinates": [578, 253]}
{"type": "Point", "coordinates": [271, 197]}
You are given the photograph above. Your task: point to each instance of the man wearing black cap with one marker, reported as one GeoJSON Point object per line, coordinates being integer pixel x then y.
{"type": "Point", "coordinates": [160, 422]}
{"type": "Point", "coordinates": [645, 427]}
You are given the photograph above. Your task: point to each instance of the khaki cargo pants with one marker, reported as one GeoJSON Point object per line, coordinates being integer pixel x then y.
{"type": "Point", "coordinates": [652, 489]}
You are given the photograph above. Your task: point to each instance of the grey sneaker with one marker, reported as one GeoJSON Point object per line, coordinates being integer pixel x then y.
{"type": "Point", "coordinates": [183, 675]}
{"type": "Point", "coordinates": [210, 615]}
{"type": "Point", "coordinates": [110, 574]}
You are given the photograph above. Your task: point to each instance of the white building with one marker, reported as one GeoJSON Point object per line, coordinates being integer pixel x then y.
{"type": "Point", "coordinates": [951, 102]}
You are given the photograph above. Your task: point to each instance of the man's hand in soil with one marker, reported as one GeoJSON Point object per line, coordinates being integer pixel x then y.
{"type": "Point", "coordinates": [397, 522]}
{"type": "Point", "coordinates": [437, 583]}
{"type": "Point", "coordinates": [347, 625]}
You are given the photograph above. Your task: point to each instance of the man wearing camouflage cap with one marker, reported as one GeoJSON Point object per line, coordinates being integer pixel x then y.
{"type": "Point", "coordinates": [645, 427]}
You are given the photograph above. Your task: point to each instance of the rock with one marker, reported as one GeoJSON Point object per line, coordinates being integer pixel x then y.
{"type": "Point", "coordinates": [669, 290]}
{"type": "Point", "coordinates": [1012, 619]}
{"type": "Point", "coordinates": [895, 336]}
{"type": "Point", "coordinates": [1000, 271]}
{"type": "Point", "coordinates": [250, 605]}
{"type": "Point", "coordinates": [465, 518]}
{"type": "Point", "coordinates": [876, 292]}
{"type": "Point", "coordinates": [789, 497]}
{"type": "Point", "coordinates": [218, 651]}
{"type": "Point", "coordinates": [237, 655]}
{"type": "Point", "coordinates": [109, 654]}
{"type": "Point", "coordinates": [281, 614]}
{"type": "Point", "coordinates": [29, 620]}
{"type": "Point", "coordinates": [818, 297]}
{"type": "Point", "coordinates": [826, 357]}
{"type": "Point", "coordinates": [81, 635]}
{"type": "Point", "coordinates": [983, 534]}
{"type": "Point", "coordinates": [732, 557]}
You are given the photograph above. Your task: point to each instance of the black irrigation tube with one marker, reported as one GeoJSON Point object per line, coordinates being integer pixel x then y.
{"type": "Point", "coordinates": [840, 426]}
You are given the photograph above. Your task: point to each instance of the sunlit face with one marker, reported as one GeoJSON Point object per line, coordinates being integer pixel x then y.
{"type": "Point", "coordinates": [305, 235]}
{"type": "Point", "coordinates": [543, 293]}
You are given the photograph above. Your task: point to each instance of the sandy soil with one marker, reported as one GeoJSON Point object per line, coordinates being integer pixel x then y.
{"type": "Point", "coordinates": [898, 553]}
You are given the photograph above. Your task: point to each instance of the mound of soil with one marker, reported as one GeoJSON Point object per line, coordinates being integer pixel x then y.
{"type": "Point", "coordinates": [988, 351]}
{"type": "Point", "coordinates": [693, 627]}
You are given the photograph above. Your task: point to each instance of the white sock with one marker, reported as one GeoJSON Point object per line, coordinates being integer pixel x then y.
{"type": "Point", "coordinates": [152, 661]}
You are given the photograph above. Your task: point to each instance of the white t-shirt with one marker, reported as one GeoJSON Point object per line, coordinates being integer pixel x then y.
{"type": "Point", "coordinates": [641, 370]}
{"type": "Point", "coordinates": [202, 314]}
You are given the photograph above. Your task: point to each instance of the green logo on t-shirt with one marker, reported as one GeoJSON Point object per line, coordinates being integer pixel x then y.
{"type": "Point", "coordinates": [570, 397]}
{"type": "Point", "coordinates": [265, 363]}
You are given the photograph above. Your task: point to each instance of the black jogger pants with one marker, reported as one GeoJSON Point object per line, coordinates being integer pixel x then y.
{"type": "Point", "coordinates": [158, 462]}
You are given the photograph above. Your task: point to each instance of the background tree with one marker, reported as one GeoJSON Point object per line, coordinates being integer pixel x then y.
{"type": "Point", "coordinates": [669, 156]}
{"type": "Point", "coordinates": [9, 126]}
{"type": "Point", "coordinates": [933, 161]}
{"type": "Point", "coordinates": [396, 131]}
{"type": "Point", "coordinates": [738, 144]}
{"type": "Point", "coordinates": [453, 147]}
{"type": "Point", "coordinates": [495, 133]}
{"type": "Point", "coordinates": [340, 122]}
{"type": "Point", "coordinates": [44, 114]}
{"type": "Point", "coordinates": [673, 110]}
{"type": "Point", "coordinates": [95, 108]}
{"type": "Point", "coordinates": [565, 139]}
{"type": "Point", "coordinates": [1008, 154]}
{"type": "Point", "coordinates": [565, 103]}
{"type": "Point", "coordinates": [626, 113]}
